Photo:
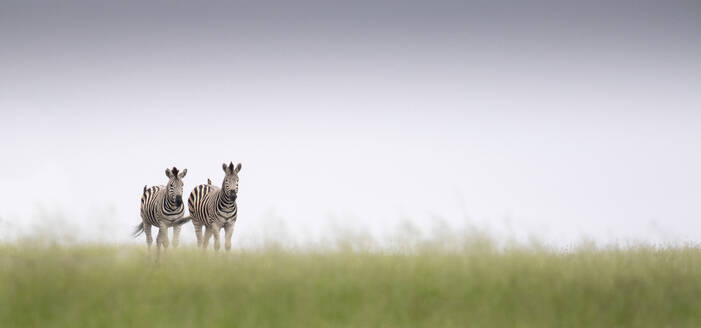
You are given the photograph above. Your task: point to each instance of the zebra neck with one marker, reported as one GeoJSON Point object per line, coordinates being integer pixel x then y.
{"type": "Point", "coordinates": [224, 204]}
{"type": "Point", "coordinates": [169, 206]}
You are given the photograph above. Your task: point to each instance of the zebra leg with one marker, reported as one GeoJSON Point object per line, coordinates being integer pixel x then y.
{"type": "Point", "coordinates": [159, 242]}
{"type": "Point", "coordinates": [216, 230]}
{"type": "Point", "coordinates": [198, 234]}
{"type": "Point", "coordinates": [147, 232]}
{"type": "Point", "coordinates": [228, 232]}
{"type": "Point", "coordinates": [176, 235]}
{"type": "Point", "coordinates": [207, 235]}
{"type": "Point", "coordinates": [162, 238]}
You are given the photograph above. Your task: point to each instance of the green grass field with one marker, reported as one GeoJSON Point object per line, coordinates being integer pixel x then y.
{"type": "Point", "coordinates": [122, 286]}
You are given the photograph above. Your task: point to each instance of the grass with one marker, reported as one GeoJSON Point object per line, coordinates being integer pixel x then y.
{"type": "Point", "coordinates": [122, 286]}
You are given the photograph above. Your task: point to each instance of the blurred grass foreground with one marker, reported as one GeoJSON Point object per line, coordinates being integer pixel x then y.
{"type": "Point", "coordinates": [84, 285]}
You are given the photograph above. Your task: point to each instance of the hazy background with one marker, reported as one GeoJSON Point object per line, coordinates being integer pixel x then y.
{"type": "Point", "coordinates": [558, 119]}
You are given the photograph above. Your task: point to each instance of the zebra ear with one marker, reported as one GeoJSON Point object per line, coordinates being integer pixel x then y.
{"type": "Point", "coordinates": [168, 174]}
{"type": "Point", "coordinates": [238, 167]}
{"type": "Point", "coordinates": [182, 174]}
{"type": "Point", "coordinates": [223, 166]}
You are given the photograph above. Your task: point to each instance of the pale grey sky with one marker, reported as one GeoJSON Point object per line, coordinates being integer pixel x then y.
{"type": "Point", "coordinates": [558, 119]}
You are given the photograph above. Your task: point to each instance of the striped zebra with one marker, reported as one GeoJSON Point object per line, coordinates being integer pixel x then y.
{"type": "Point", "coordinates": [162, 207]}
{"type": "Point", "coordinates": [215, 208]}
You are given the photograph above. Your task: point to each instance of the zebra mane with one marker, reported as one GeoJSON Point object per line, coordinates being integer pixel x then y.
{"type": "Point", "coordinates": [175, 171]}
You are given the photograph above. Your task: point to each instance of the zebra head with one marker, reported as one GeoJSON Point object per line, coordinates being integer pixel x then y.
{"type": "Point", "coordinates": [174, 190]}
{"type": "Point", "coordinates": [230, 185]}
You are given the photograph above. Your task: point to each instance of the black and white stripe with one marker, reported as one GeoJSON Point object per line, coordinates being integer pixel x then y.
{"type": "Point", "coordinates": [155, 208]}
{"type": "Point", "coordinates": [162, 207]}
{"type": "Point", "coordinates": [215, 208]}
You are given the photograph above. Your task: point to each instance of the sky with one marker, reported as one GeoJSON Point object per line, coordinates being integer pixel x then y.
{"type": "Point", "coordinates": [563, 120]}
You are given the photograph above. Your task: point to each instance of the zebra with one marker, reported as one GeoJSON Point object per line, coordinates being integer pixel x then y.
{"type": "Point", "coordinates": [162, 207]}
{"type": "Point", "coordinates": [215, 208]}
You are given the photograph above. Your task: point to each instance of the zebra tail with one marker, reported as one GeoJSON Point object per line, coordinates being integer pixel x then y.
{"type": "Point", "coordinates": [138, 230]}
{"type": "Point", "coordinates": [182, 220]}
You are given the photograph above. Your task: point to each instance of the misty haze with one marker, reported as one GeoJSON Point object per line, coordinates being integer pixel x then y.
{"type": "Point", "coordinates": [357, 115]}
